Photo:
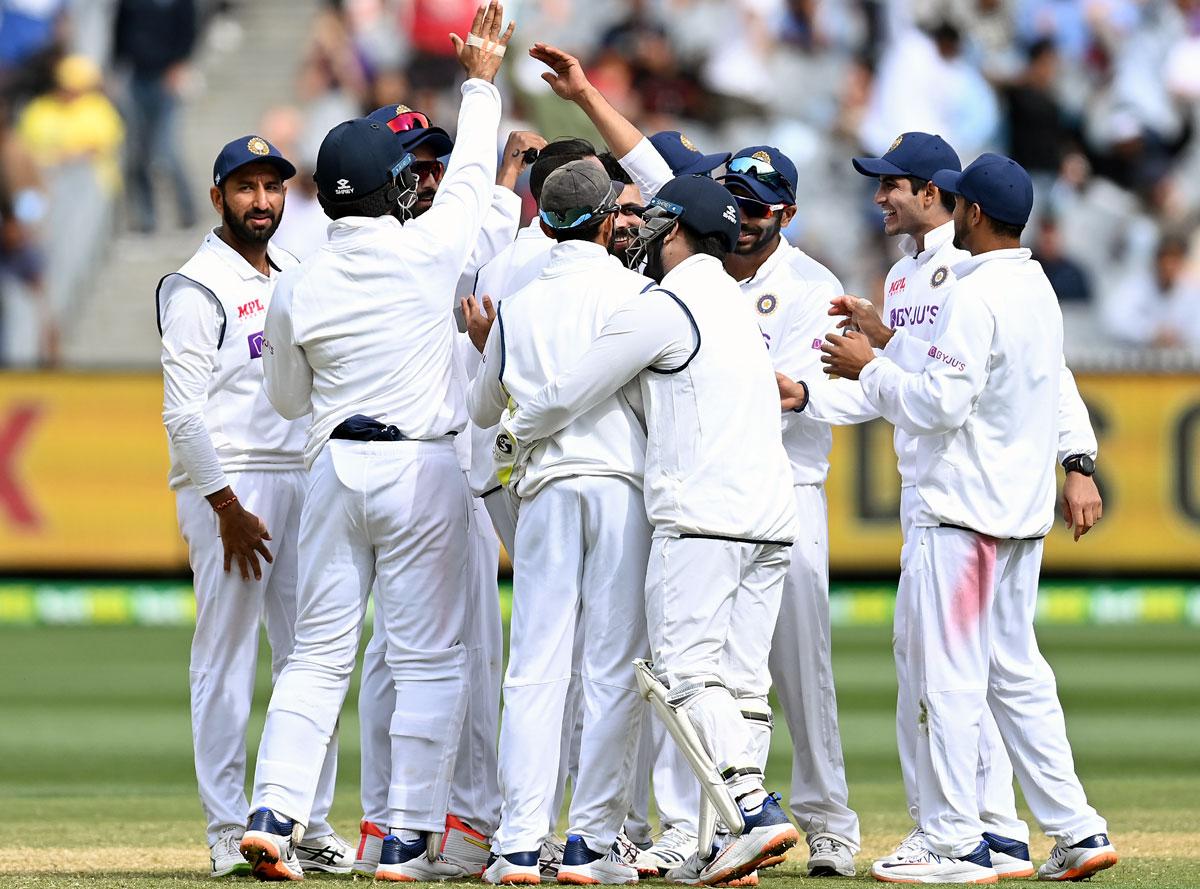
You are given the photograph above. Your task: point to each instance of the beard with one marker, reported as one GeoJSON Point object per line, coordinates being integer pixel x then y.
{"type": "Point", "coordinates": [424, 201]}
{"type": "Point", "coordinates": [244, 232]}
{"type": "Point", "coordinates": [621, 234]}
{"type": "Point", "coordinates": [960, 237]}
{"type": "Point", "coordinates": [765, 236]}
{"type": "Point", "coordinates": [654, 262]}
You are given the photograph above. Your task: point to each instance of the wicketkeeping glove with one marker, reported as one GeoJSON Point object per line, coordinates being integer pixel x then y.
{"type": "Point", "coordinates": [508, 454]}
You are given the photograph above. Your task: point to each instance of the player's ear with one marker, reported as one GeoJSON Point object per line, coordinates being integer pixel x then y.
{"type": "Point", "coordinates": [218, 199]}
{"type": "Point", "coordinates": [786, 215]}
{"type": "Point", "coordinates": [547, 230]}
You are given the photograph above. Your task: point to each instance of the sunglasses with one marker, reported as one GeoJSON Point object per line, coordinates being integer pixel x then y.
{"type": "Point", "coordinates": [752, 209]}
{"type": "Point", "coordinates": [408, 120]}
{"type": "Point", "coordinates": [574, 217]}
{"type": "Point", "coordinates": [760, 170]}
{"type": "Point", "coordinates": [421, 169]}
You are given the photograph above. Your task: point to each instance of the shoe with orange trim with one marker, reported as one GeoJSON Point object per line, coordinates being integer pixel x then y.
{"type": "Point", "coordinates": [582, 866]}
{"type": "Point", "coordinates": [1079, 861]}
{"type": "Point", "coordinates": [926, 866]}
{"type": "Point", "coordinates": [269, 844]}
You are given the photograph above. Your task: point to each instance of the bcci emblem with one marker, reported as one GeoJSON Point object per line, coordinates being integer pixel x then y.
{"type": "Point", "coordinates": [258, 146]}
{"type": "Point", "coordinates": [895, 144]}
{"type": "Point", "coordinates": [939, 277]}
{"type": "Point", "coordinates": [402, 109]}
{"type": "Point", "coordinates": [761, 156]}
{"type": "Point", "coordinates": [767, 303]}
{"type": "Point", "coordinates": [688, 143]}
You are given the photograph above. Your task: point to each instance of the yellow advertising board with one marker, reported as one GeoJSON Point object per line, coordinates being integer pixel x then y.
{"type": "Point", "coordinates": [83, 469]}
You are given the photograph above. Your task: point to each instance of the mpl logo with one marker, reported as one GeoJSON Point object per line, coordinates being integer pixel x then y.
{"type": "Point", "coordinates": [938, 355]}
{"type": "Point", "coordinates": [250, 309]}
{"type": "Point", "coordinates": [897, 286]}
{"type": "Point", "coordinates": [256, 344]}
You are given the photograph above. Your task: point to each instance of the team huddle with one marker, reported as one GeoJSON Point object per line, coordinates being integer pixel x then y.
{"type": "Point", "coordinates": [635, 394]}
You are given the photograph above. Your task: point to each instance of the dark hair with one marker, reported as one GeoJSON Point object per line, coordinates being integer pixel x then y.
{"type": "Point", "coordinates": [613, 168]}
{"type": "Point", "coordinates": [586, 232]}
{"type": "Point", "coordinates": [711, 244]}
{"type": "Point", "coordinates": [947, 197]}
{"type": "Point", "coordinates": [1005, 229]}
{"type": "Point", "coordinates": [1040, 47]}
{"type": "Point", "coordinates": [556, 154]}
{"type": "Point", "coordinates": [373, 204]}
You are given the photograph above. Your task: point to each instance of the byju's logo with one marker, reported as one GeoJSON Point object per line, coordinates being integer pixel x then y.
{"type": "Point", "coordinates": [938, 355]}
{"type": "Point", "coordinates": [256, 344]}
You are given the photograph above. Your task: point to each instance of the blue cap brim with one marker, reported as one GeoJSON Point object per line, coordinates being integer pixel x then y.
{"type": "Point", "coordinates": [705, 164]}
{"type": "Point", "coordinates": [947, 180]}
{"type": "Point", "coordinates": [877, 166]}
{"type": "Point", "coordinates": [435, 138]}
{"type": "Point", "coordinates": [760, 190]}
{"type": "Point", "coordinates": [286, 170]}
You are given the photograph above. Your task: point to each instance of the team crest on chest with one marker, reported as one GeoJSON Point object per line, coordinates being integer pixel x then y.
{"type": "Point", "coordinates": [939, 276]}
{"type": "Point", "coordinates": [767, 303]}
{"type": "Point", "coordinates": [259, 146]}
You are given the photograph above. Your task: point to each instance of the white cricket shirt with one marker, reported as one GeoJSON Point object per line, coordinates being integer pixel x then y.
{"type": "Point", "coordinates": [984, 407]}
{"type": "Point", "coordinates": [217, 416]}
{"type": "Point", "coordinates": [541, 331]}
{"type": "Point", "coordinates": [363, 326]}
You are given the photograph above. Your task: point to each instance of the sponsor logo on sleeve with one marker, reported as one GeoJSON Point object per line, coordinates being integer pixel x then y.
{"type": "Point", "coordinates": [938, 355]}
{"type": "Point", "coordinates": [256, 344]}
{"type": "Point", "coordinates": [767, 303]}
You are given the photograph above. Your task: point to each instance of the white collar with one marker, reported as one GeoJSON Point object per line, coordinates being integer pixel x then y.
{"type": "Point", "coordinates": [1010, 254]}
{"type": "Point", "coordinates": [934, 239]}
{"type": "Point", "coordinates": [235, 260]}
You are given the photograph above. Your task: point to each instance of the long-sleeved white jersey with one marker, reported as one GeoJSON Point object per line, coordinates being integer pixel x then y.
{"type": "Point", "coordinates": [217, 416]}
{"type": "Point", "coordinates": [914, 292]}
{"type": "Point", "coordinates": [540, 331]}
{"type": "Point", "coordinates": [715, 463]}
{"type": "Point", "coordinates": [984, 408]}
{"type": "Point", "coordinates": [363, 326]}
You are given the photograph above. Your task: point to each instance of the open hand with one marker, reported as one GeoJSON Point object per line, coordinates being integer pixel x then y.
{"type": "Point", "coordinates": [567, 80]}
{"type": "Point", "coordinates": [479, 319]}
{"type": "Point", "coordinates": [242, 537]}
{"type": "Point", "coordinates": [481, 61]}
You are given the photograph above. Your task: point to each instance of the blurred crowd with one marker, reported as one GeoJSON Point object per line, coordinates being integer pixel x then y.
{"type": "Point", "coordinates": [1098, 99]}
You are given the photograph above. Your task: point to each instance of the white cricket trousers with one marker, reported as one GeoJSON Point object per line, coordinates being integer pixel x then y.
{"type": "Point", "coordinates": [711, 607]}
{"type": "Point", "coordinates": [474, 791]}
{"type": "Point", "coordinates": [580, 558]}
{"type": "Point", "coordinates": [802, 672]}
{"type": "Point", "coordinates": [972, 647]}
{"type": "Point", "coordinates": [393, 515]}
{"type": "Point", "coordinates": [225, 645]}
{"type": "Point", "coordinates": [994, 774]}
{"type": "Point", "coordinates": [676, 790]}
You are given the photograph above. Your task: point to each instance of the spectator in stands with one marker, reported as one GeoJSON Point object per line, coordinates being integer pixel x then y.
{"type": "Point", "coordinates": [1158, 306]}
{"type": "Point", "coordinates": [1039, 137]}
{"type": "Point", "coordinates": [32, 33]}
{"type": "Point", "coordinates": [22, 206]}
{"type": "Point", "coordinates": [1067, 277]}
{"type": "Point", "coordinates": [154, 39]}
{"type": "Point", "coordinates": [76, 123]}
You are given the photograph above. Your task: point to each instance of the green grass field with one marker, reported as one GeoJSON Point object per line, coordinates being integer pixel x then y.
{"type": "Point", "coordinates": [96, 786]}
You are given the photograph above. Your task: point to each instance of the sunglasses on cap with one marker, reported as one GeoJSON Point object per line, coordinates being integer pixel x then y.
{"type": "Point", "coordinates": [752, 209]}
{"type": "Point", "coordinates": [760, 170]}
{"type": "Point", "coordinates": [409, 120]}
{"type": "Point", "coordinates": [576, 216]}
{"type": "Point", "coordinates": [428, 168]}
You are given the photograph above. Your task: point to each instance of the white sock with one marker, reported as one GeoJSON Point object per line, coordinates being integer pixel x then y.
{"type": "Point", "coordinates": [753, 801]}
{"type": "Point", "coordinates": [405, 835]}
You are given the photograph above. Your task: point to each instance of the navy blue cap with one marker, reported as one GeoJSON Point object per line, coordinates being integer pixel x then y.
{"type": "Point", "coordinates": [999, 185]}
{"type": "Point", "coordinates": [249, 150]}
{"type": "Point", "coordinates": [356, 158]}
{"type": "Point", "coordinates": [682, 156]}
{"type": "Point", "coordinates": [406, 123]}
{"type": "Point", "coordinates": [912, 154]}
{"type": "Point", "coordinates": [704, 205]}
{"type": "Point", "coordinates": [764, 171]}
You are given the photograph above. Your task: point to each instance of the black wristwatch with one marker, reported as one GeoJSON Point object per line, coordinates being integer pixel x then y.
{"type": "Point", "coordinates": [1081, 463]}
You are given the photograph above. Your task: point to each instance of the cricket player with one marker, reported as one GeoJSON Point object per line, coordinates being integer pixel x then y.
{"type": "Point", "coordinates": [474, 794]}
{"type": "Point", "coordinates": [359, 336]}
{"type": "Point", "coordinates": [915, 292]}
{"type": "Point", "coordinates": [716, 496]}
{"type": "Point", "coordinates": [985, 413]}
{"type": "Point", "coordinates": [582, 542]}
{"type": "Point", "coordinates": [238, 476]}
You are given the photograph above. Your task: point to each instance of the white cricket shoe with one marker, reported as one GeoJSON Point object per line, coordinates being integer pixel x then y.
{"type": "Point", "coordinates": [1079, 861]}
{"type": "Point", "coordinates": [926, 866]}
{"type": "Point", "coordinates": [763, 843]}
{"type": "Point", "coordinates": [627, 849]}
{"type": "Point", "coordinates": [913, 842]}
{"type": "Point", "coordinates": [1010, 857]}
{"type": "Point", "coordinates": [370, 845]}
{"type": "Point", "coordinates": [550, 856]}
{"type": "Point", "coordinates": [330, 854]}
{"type": "Point", "coordinates": [401, 862]}
{"type": "Point", "coordinates": [464, 847]}
{"type": "Point", "coordinates": [829, 856]}
{"type": "Point", "coordinates": [514, 869]}
{"type": "Point", "coordinates": [582, 866]}
{"type": "Point", "coordinates": [225, 854]}
{"type": "Point", "coordinates": [669, 851]}
{"type": "Point", "coordinates": [269, 844]}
